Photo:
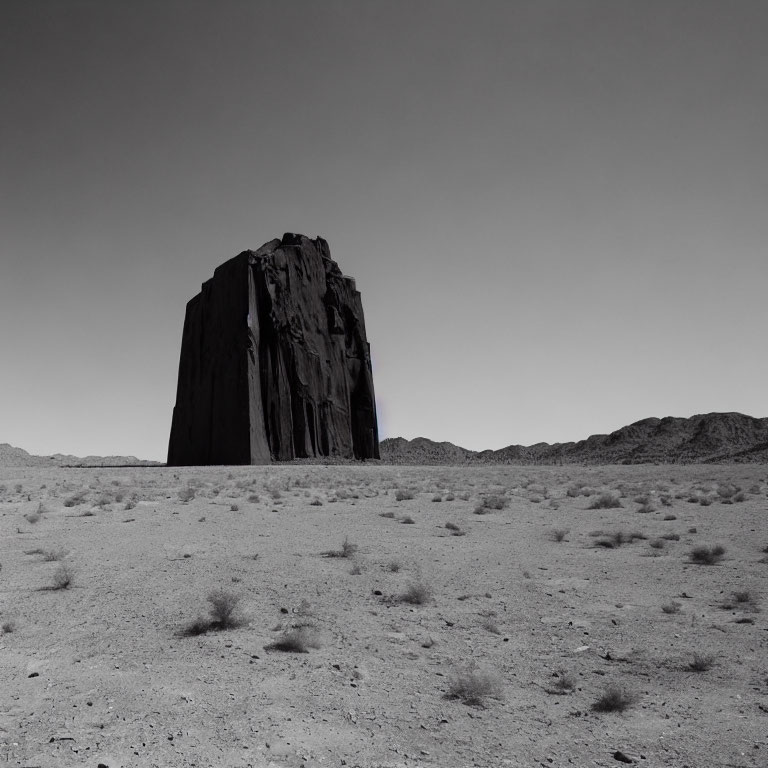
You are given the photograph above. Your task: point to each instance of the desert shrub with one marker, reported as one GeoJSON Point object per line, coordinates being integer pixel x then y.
{"type": "Point", "coordinates": [8, 626]}
{"type": "Point", "coordinates": [671, 607]}
{"type": "Point", "coordinates": [617, 538]}
{"type": "Point", "coordinates": [703, 555]}
{"type": "Point", "coordinates": [614, 699]}
{"type": "Point", "coordinates": [224, 609]}
{"type": "Point", "coordinates": [559, 534]}
{"type": "Point", "coordinates": [645, 509]}
{"type": "Point", "coordinates": [63, 577]}
{"type": "Point", "coordinates": [347, 550]}
{"type": "Point", "coordinates": [666, 500]}
{"type": "Point", "coordinates": [402, 494]}
{"type": "Point", "coordinates": [253, 498]}
{"type": "Point", "coordinates": [727, 490]}
{"type": "Point", "coordinates": [495, 501]}
{"type": "Point", "coordinates": [472, 687]}
{"type": "Point", "coordinates": [563, 683]}
{"type": "Point", "coordinates": [656, 543]}
{"type": "Point", "coordinates": [76, 498]}
{"type": "Point", "coordinates": [407, 520]}
{"type": "Point", "coordinates": [743, 599]}
{"type": "Point", "coordinates": [416, 594]}
{"type": "Point", "coordinates": [356, 570]}
{"type": "Point", "coordinates": [705, 501]}
{"type": "Point", "coordinates": [32, 517]}
{"type": "Point", "coordinates": [437, 497]}
{"type": "Point", "coordinates": [740, 496]}
{"type": "Point", "coordinates": [52, 555]}
{"type": "Point", "coordinates": [671, 536]}
{"type": "Point", "coordinates": [669, 518]}
{"type": "Point", "coordinates": [454, 527]}
{"type": "Point", "coordinates": [449, 497]}
{"type": "Point", "coordinates": [573, 491]}
{"type": "Point", "coordinates": [187, 493]}
{"type": "Point", "coordinates": [701, 662]}
{"type": "Point", "coordinates": [296, 640]}
{"type": "Point", "coordinates": [132, 501]}
{"type": "Point", "coordinates": [315, 503]}
{"type": "Point", "coordinates": [394, 566]}
{"type": "Point", "coordinates": [605, 501]}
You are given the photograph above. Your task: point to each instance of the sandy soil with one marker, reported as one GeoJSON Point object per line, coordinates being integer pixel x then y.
{"type": "Point", "coordinates": [101, 672]}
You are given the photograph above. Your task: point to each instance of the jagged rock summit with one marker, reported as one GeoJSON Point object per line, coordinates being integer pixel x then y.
{"type": "Point", "coordinates": [275, 363]}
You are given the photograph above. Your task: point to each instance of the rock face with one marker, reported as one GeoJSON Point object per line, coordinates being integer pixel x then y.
{"type": "Point", "coordinates": [275, 363]}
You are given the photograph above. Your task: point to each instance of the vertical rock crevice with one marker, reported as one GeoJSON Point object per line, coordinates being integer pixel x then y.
{"type": "Point", "coordinates": [275, 363]}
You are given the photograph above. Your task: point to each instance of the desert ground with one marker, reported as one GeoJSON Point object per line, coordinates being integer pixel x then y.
{"type": "Point", "coordinates": [372, 616]}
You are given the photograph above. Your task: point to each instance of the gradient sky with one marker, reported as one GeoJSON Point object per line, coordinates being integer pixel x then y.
{"type": "Point", "coordinates": [556, 211]}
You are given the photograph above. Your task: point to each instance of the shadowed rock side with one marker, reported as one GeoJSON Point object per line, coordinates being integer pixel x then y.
{"type": "Point", "coordinates": [275, 363]}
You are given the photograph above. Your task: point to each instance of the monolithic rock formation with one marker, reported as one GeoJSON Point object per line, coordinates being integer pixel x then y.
{"type": "Point", "coordinates": [275, 364]}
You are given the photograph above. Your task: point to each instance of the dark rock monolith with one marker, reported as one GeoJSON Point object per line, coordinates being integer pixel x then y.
{"type": "Point", "coordinates": [275, 363]}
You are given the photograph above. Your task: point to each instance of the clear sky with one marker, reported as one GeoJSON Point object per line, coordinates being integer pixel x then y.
{"type": "Point", "coordinates": [556, 210]}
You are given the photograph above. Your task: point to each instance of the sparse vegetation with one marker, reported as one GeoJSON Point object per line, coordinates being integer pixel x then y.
{"type": "Point", "coordinates": [347, 550]}
{"type": "Point", "coordinates": [559, 534]}
{"type": "Point", "coordinates": [563, 683]}
{"type": "Point", "coordinates": [703, 555]}
{"type": "Point", "coordinates": [701, 662]}
{"type": "Point", "coordinates": [671, 607]}
{"type": "Point", "coordinates": [402, 494]}
{"type": "Point", "coordinates": [472, 688]}
{"type": "Point", "coordinates": [224, 614]}
{"type": "Point", "coordinates": [63, 577]}
{"type": "Point", "coordinates": [416, 594]}
{"type": "Point", "coordinates": [187, 493]}
{"type": "Point", "coordinates": [614, 699]}
{"type": "Point", "coordinates": [605, 501]}
{"type": "Point", "coordinates": [296, 640]}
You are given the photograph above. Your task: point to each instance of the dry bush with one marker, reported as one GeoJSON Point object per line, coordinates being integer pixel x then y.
{"type": "Point", "coordinates": [701, 662]}
{"type": "Point", "coordinates": [225, 612]}
{"type": "Point", "coordinates": [63, 577]}
{"type": "Point", "coordinates": [646, 509]}
{"type": "Point", "coordinates": [671, 607]}
{"type": "Point", "coordinates": [494, 501]}
{"type": "Point", "coordinates": [605, 501]}
{"type": "Point", "coordinates": [296, 640]}
{"type": "Point", "coordinates": [563, 683]}
{"type": "Point", "coordinates": [437, 497]}
{"type": "Point", "coordinates": [473, 687]}
{"type": "Point", "coordinates": [8, 626]}
{"type": "Point", "coordinates": [559, 534]}
{"type": "Point", "coordinates": [394, 566]}
{"type": "Point", "coordinates": [347, 550]}
{"type": "Point", "coordinates": [402, 494]}
{"type": "Point", "coordinates": [703, 555]}
{"type": "Point", "coordinates": [187, 493]}
{"type": "Point", "coordinates": [416, 594]}
{"type": "Point", "coordinates": [390, 515]}
{"type": "Point", "coordinates": [743, 599]}
{"type": "Point", "coordinates": [407, 520]}
{"type": "Point", "coordinates": [656, 543]}
{"type": "Point", "coordinates": [614, 699]}
{"type": "Point", "coordinates": [76, 498]}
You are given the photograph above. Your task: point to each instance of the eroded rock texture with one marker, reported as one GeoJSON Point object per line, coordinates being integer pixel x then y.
{"type": "Point", "coordinates": [275, 363]}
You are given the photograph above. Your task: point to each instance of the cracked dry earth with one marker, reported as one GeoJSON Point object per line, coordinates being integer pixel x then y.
{"type": "Point", "coordinates": [105, 670]}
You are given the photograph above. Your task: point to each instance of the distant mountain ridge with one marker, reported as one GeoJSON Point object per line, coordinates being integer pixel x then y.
{"type": "Point", "coordinates": [10, 456]}
{"type": "Point", "coordinates": [705, 438]}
